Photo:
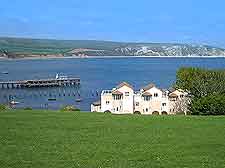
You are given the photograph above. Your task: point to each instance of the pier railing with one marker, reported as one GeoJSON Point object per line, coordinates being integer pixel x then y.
{"type": "Point", "coordinates": [40, 83]}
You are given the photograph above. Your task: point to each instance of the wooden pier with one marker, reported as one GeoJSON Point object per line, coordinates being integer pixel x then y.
{"type": "Point", "coordinates": [40, 83]}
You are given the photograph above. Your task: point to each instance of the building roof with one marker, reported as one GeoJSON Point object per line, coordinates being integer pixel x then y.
{"type": "Point", "coordinates": [172, 89]}
{"type": "Point", "coordinates": [173, 95]}
{"type": "Point", "coordinates": [116, 92]}
{"type": "Point", "coordinates": [97, 103]}
{"type": "Point", "coordinates": [124, 84]}
{"type": "Point", "coordinates": [149, 86]}
{"type": "Point", "coordinates": [147, 94]}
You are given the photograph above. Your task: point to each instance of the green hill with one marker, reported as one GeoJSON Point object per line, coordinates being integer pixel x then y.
{"type": "Point", "coordinates": [13, 47]}
{"type": "Point", "coordinates": [67, 139]}
{"type": "Point", "coordinates": [37, 46]}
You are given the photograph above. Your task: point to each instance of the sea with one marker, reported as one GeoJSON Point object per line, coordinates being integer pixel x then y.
{"type": "Point", "coordinates": [96, 74]}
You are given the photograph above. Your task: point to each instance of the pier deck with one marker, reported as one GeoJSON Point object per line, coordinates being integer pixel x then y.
{"type": "Point", "coordinates": [40, 83]}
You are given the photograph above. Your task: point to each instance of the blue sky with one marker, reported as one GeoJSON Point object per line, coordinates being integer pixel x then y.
{"type": "Point", "coordinates": [186, 21]}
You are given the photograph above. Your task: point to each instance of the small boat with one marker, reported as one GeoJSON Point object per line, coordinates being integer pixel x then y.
{"type": "Point", "coordinates": [14, 102]}
{"type": "Point", "coordinates": [78, 100]}
{"type": "Point", "coordinates": [61, 77]}
{"type": "Point", "coordinates": [5, 72]}
{"type": "Point", "coordinates": [52, 99]}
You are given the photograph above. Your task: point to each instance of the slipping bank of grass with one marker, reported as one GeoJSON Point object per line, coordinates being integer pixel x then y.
{"type": "Point", "coordinates": [76, 139]}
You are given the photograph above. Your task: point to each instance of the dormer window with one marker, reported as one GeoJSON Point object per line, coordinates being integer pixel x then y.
{"type": "Point", "coordinates": [127, 93]}
{"type": "Point", "coordinates": [147, 96]}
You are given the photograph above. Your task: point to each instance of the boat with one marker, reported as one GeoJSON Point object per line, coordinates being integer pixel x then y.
{"type": "Point", "coordinates": [52, 99]}
{"type": "Point", "coordinates": [78, 100]}
{"type": "Point", "coordinates": [5, 72]}
{"type": "Point", "coordinates": [14, 102]}
{"type": "Point", "coordinates": [62, 77]}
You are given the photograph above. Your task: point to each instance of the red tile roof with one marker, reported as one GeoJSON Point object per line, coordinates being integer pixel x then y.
{"type": "Point", "coordinates": [173, 95]}
{"type": "Point", "coordinates": [116, 92]}
{"type": "Point", "coordinates": [149, 86]}
{"type": "Point", "coordinates": [124, 84]}
{"type": "Point", "coordinates": [147, 94]}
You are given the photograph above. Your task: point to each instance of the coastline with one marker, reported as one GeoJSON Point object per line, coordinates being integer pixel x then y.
{"type": "Point", "coordinates": [105, 57]}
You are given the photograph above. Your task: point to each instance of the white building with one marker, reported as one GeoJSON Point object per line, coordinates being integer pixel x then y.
{"type": "Point", "coordinates": [149, 100]}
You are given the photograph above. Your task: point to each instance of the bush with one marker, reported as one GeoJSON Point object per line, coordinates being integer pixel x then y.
{"type": "Point", "coordinates": [180, 113]}
{"type": "Point", "coordinates": [69, 108]}
{"type": "Point", "coordinates": [3, 107]}
{"type": "Point", "coordinates": [107, 111]}
{"type": "Point", "coordinates": [28, 108]}
{"type": "Point", "coordinates": [137, 112]}
{"type": "Point", "coordinates": [209, 105]}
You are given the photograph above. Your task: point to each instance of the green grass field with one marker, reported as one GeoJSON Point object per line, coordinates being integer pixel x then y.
{"type": "Point", "coordinates": [64, 139]}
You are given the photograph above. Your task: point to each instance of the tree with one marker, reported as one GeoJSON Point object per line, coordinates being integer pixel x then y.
{"type": "Point", "coordinates": [206, 88]}
{"type": "Point", "coordinates": [209, 105]}
{"type": "Point", "coordinates": [181, 105]}
{"type": "Point", "coordinates": [201, 82]}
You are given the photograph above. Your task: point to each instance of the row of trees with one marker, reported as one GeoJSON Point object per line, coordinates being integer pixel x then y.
{"type": "Point", "coordinates": [206, 88]}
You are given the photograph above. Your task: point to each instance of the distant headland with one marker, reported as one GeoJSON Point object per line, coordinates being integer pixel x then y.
{"type": "Point", "coordinates": [15, 48]}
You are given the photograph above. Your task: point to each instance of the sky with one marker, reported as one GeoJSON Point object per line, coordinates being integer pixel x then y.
{"type": "Point", "coordinates": [182, 21]}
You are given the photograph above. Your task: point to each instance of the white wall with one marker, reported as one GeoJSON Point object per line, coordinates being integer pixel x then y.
{"type": "Point", "coordinates": [104, 99]}
{"type": "Point", "coordinates": [128, 100]}
{"type": "Point", "coordinates": [95, 108]}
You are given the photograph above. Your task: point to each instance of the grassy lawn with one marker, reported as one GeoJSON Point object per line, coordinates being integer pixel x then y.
{"type": "Point", "coordinates": [59, 139]}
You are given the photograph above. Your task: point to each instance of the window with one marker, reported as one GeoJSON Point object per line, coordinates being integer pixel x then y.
{"type": "Point", "coordinates": [117, 97]}
{"type": "Point", "coordinates": [164, 95]}
{"type": "Point", "coordinates": [147, 98]}
{"type": "Point", "coordinates": [107, 102]}
{"type": "Point", "coordinates": [137, 104]}
{"type": "Point", "coordinates": [127, 93]}
{"type": "Point", "coordinates": [146, 110]}
{"type": "Point", "coordinates": [173, 99]}
{"type": "Point", "coordinates": [156, 95]}
{"type": "Point", "coordinates": [164, 104]}
{"type": "Point", "coordinates": [181, 96]}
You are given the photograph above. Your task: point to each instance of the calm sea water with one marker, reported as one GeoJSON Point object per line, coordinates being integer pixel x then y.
{"type": "Point", "coordinates": [96, 74]}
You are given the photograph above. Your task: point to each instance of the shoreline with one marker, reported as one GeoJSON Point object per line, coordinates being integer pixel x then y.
{"type": "Point", "coordinates": [106, 57]}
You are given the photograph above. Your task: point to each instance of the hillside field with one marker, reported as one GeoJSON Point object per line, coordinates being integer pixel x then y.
{"type": "Point", "coordinates": [78, 139]}
{"type": "Point", "coordinates": [25, 47]}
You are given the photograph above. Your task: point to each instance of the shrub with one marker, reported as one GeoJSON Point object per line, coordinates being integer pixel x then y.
{"type": "Point", "coordinates": [137, 112]}
{"type": "Point", "coordinates": [209, 105]}
{"type": "Point", "coordinates": [180, 113]}
{"type": "Point", "coordinates": [3, 107]}
{"type": "Point", "coordinates": [69, 108]}
{"type": "Point", "coordinates": [155, 113]}
{"type": "Point", "coordinates": [107, 111]}
{"type": "Point", "coordinates": [164, 113]}
{"type": "Point", "coordinates": [28, 108]}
